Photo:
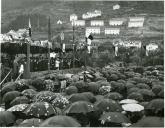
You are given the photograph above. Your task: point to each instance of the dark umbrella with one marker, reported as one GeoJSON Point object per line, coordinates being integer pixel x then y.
{"type": "Point", "coordinates": [7, 118]}
{"type": "Point", "coordinates": [34, 122]}
{"type": "Point", "coordinates": [108, 105]}
{"type": "Point", "coordinates": [114, 117]}
{"type": "Point", "coordinates": [147, 94]}
{"type": "Point", "coordinates": [60, 121]}
{"type": "Point", "coordinates": [40, 110]}
{"type": "Point", "coordinates": [20, 100]}
{"type": "Point", "coordinates": [71, 90]}
{"type": "Point", "coordinates": [22, 84]}
{"type": "Point", "coordinates": [161, 94]}
{"type": "Point", "coordinates": [99, 97]}
{"type": "Point", "coordinates": [134, 89]}
{"type": "Point", "coordinates": [114, 96]}
{"type": "Point", "coordinates": [93, 87]}
{"type": "Point", "coordinates": [9, 96]}
{"type": "Point", "coordinates": [78, 97]}
{"type": "Point", "coordinates": [80, 107]}
{"type": "Point", "coordinates": [30, 93]}
{"type": "Point", "coordinates": [10, 86]}
{"type": "Point", "coordinates": [150, 122]}
{"type": "Point", "coordinates": [142, 86]}
{"type": "Point", "coordinates": [136, 96]}
{"type": "Point", "coordinates": [156, 106]}
{"type": "Point", "coordinates": [156, 89]}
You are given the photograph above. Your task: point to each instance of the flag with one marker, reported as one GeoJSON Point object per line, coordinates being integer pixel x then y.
{"type": "Point", "coordinates": [30, 33]}
{"type": "Point", "coordinates": [116, 50]}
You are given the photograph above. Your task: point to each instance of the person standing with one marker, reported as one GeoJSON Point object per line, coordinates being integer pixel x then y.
{"type": "Point", "coordinates": [57, 64]}
{"type": "Point", "coordinates": [63, 85]}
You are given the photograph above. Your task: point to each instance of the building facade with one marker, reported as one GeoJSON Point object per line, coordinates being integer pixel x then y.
{"type": "Point", "coordinates": [136, 19]}
{"type": "Point", "coordinates": [112, 31]}
{"type": "Point", "coordinates": [132, 24]}
{"type": "Point", "coordinates": [93, 30]}
{"type": "Point", "coordinates": [114, 22]}
{"type": "Point", "coordinates": [78, 23]}
{"type": "Point", "coordinates": [97, 23]}
{"type": "Point", "coordinates": [73, 17]}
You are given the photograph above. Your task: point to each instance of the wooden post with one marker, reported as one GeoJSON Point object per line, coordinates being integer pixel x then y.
{"type": "Point", "coordinates": [74, 46]}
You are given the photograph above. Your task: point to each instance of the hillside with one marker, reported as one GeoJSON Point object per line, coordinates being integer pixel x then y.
{"type": "Point", "coordinates": [15, 14]}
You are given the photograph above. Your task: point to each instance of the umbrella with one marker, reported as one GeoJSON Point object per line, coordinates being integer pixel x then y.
{"type": "Point", "coordinates": [18, 108]}
{"type": "Point", "coordinates": [150, 121]}
{"type": "Point", "coordinates": [156, 89]}
{"type": "Point", "coordinates": [156, 106]}
{"type": "Point", "coordinates": [60, 102]}
{"type": "Point", "coordinates": [9, 96]}
{"type": "Point", "coordinates": [147, 94]}
{"type": "Point", "coordinates": [30, 93]}
{"type": "Point", "coordinates": [128, 101]}
{"type": "Point", "coordinates": [99, 97]}
{"type": "Point", "coordinates": [144, 104]}
{"type": "Point", "coordinates": [136, 96]}
{"type": "Point", "coordinates": [7, 118]}
{"type": "Point", "coordinates": [44, 96]}
{"type": "Point", "coordinates": [33, 122]}
{"type": "Point", "coordinates": [161, 94]}
{"type": "Point", "coordinates": [132, 107]}
{"type": "Point", "coordinates": [114, 96]}
{"type": "Point", "coordinates": [114, 117]}
{"type": "Point", "coordinates": [20, 100]}
{"type": "Point", "coordinates": [60, 121]}
{"type": "Point", "coordinates": [2, 109]}
{"type": "Point", "coordinates": [79, 107]}
{"type": "Point", "coordinates": [142, 86]}
{"type": "Point", "coordinates": [40, 110]}
{"type": "Point", "coordinates": [108, 105]}
{"type": "Point", "coordinates": [10, 86]}
{"type": "Point", "coordinates": [93, 87]}
{"type": "Point", "coordinates": [134, 89]}
{"type": "Point", "coordinates": [71, 90]}
{"type": "Point", "coordinates": [78, 97]}
{"type": "Point", "coordinates": [22, 84]}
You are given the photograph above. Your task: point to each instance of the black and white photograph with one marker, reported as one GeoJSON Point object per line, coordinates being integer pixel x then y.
{"type": "Point", "coordinates": [82, 63]}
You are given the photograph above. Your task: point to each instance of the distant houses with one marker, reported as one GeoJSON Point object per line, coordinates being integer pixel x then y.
{"type": "Point", "coordinates": [73, 17]}
{"type": "Point", "coordinates": [93, 30]}
{"type": "Point", "coordinates": [88, 15]}
{"type": "Point", "coordinates": [115, 7]}
{"type": "Point", "coordinates": [116, 21]}
{"type": "Point", "coordinates": [78, 23]}
{"type": "Point", "coordinates": [112, 31]}
{"type": "Point", "coordinates": [97, 23]}
{"type": "Point", "coordinates": [135, 22]}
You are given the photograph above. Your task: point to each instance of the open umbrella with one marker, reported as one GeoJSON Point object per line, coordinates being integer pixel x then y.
{"type": "Point", "coordinates": [114, 117]}
{"type": "Point", "coordinates": [150, 121]}
{"type": "Point", "coordinates": [17, 108]}
{"type": "Point", "coordinates": [71, 90]}
{"type": "Point", "coordinates": [114, 96]}
{"type": "Point", "coordinates": [30, 93]}
{"type": "Point", "coordinates": [20, 100]}
{"type": "Point", "coordinates": [79, 107]}
{"type": "Point", "coordinates": [33, 122]}
{"type": "Point", "coordinates": [10, 86]}
{"type": "Point", "coordinates": [60, 121]}
{"type": "Point", "coordinates": [132, 107]}
{"type": "Point", "coordinates": [108, 105]}
{"type": "Point", "coordinates": [7, 118]}
{"type": "Point", "coordinates": [161, 94]}
{"type": "Point", "coordinates": [40, 110]}
{"type": "Point", "coordinates": [44, 96]}
{"type": "Point", "coordinates": [147, 94]}
{"type": "Point", "coordinates": [2, 109]}
{"type": "Point", "coordinates": [131, 90]}
{"type": "Point", "coordinates": [93, 87]}
{"type": "Point", "coordinates": [136, 96]}
{"type": "Point", "coordinates": [156, 89]}
{"type": "Point", "coordinates": [99, 97]}
{"type": "Point", "coordinates": [143, 86]}
{"type": "Point", "coordinates": [128, 101]}
{"type": "Point", "coordinates": [156, 106]}
{"type": "Point", "coordinates": [22, 84]}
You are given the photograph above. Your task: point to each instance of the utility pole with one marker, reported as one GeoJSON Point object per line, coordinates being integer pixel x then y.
{"type": "Point", "coordinates": [49, 40]}
{"type": "Point", "coordinates": [74, 44]}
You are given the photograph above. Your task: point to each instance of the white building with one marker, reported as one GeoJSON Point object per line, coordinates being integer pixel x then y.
{"type": "Point", "coordinates": [112, 31]}
{"type": "Point", "coordinates": [97, 23]}
{"type": "Point", "coordinates": [116, 22]}
{"type": "Point", "coordinates": [73, 17]}
{"type": "Point", "coordinates": [151, 47]}
{"type": "Point", "coordinates": [78, 23]}
{"type": "Point", "coordinates": [136, 19]}
{"type": "Point", "coordinates": [93, 30]}
{"type": "Point", "coordinates": [88, 15]}
{"type": "Point", "coordinates": [115, 7]}
{"type": "Point", "coordinates": [132, 43]}
{"type": "Point", "coordinates": [132, 24]}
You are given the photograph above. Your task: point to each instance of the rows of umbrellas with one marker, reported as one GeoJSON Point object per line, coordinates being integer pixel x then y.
{"type": "Point", "coordinates": [112, 97]}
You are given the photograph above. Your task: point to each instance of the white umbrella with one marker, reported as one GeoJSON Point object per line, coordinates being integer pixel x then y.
{"type": "Point", "coordinates": [132, 107]}
{"type": "Point", "coordinates": [2, 109]}
{"type": "Point", "coordinates": [128, 101]}
{"type": "Point", "coordinates": [19, 107]}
